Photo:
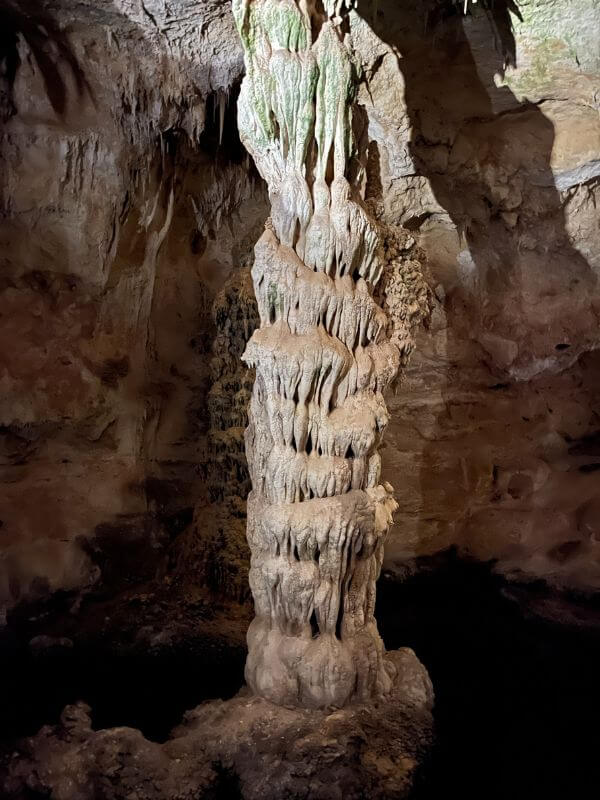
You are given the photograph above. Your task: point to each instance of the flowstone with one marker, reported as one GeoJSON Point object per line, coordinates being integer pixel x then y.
{"type": "Point", "coordinates": [324, 355]}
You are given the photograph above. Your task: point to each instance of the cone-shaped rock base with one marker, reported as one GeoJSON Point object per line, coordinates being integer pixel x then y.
{"type": "Point", "coordinates": [245, 747]}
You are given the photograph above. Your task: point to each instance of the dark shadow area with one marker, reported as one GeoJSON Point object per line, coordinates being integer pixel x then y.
{"type": "Point", "coordinates": [517, 695]}
{"type": "Point", "coordinates": [139, 686]}
{"type": "Point", "coordinates": [517, 692]}
{"type": "Point", "coordinates": [220, 138]}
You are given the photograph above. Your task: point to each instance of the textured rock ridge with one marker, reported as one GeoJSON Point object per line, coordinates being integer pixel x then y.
{"type": "Point", "coordinates": [324, 354]}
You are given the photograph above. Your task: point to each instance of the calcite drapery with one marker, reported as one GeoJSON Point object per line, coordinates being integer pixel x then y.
{"type": "Point", "coordinates": [317, 515]}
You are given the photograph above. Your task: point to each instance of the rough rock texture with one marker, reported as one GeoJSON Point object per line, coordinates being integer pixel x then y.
{"type": "Point", "coordinates": [122, 173]}
{"type": "Point", "coordinates": [121, 179]}
{"type": "Point", "coordinates": [106, 333]}
{"type": "Point", "coordinates": [495, 431]}
{"type": "Point", "coordinates": [213, 553]}
{"type": "Point", "coordinates": [324, 355]}
{"type": "Point", "coordinates": [245, 748]}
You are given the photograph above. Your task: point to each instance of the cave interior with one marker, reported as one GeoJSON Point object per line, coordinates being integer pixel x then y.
{"type": "Point", "coordinates": [169, 505]}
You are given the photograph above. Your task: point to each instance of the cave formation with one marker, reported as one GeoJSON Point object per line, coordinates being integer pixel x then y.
{"type": "Point", "coordinates": [324, 356]}
{"type": "Point", "coordinates": [260, 262]}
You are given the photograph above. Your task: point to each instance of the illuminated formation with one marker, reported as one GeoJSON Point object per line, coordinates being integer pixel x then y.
{"type": "Point", "coordinates": [324, 355]}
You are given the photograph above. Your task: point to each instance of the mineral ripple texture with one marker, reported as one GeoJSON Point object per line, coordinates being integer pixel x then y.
{"type": "Point", "coordinates": [324, 354]}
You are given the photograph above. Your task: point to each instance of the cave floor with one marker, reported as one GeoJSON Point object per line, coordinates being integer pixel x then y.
{"type": "Point", "coordinates": [515, 672]}
{"type": "Point", "coordinates": [514, 669]}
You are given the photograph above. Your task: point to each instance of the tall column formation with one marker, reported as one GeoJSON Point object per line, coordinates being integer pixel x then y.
{"type": "Point", "coordinates": [324, 354]}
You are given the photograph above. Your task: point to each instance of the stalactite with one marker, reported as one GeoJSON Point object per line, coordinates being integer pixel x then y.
{"type": "Point", "coordinates": [324, 355]}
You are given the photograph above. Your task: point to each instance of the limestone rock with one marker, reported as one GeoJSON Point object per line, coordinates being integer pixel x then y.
{"type": "Point", "coordinates": [486, 146]}
{"type": "Point", "coordinates": [324, 355]}
{"type": "Point", "coordinates": [118, 229]}
{"type": "Point", "coordinates": [245, 747]}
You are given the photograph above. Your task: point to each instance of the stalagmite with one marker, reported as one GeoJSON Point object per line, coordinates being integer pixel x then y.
{"type": "Point", "coordinates": [324, 355]}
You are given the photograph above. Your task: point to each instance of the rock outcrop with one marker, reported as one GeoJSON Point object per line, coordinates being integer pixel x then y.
{"type": "Point", "coordinates": [491, 159]}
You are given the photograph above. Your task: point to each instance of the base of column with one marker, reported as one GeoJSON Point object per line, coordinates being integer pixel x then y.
{"type": "Point", "coordinates": [245, 747]}
{"type": "Point", "coordinates": [321, 672]}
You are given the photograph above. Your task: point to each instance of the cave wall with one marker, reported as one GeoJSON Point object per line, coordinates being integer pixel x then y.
{"type": "Point", "coordinates": [494, 441]}
{"type": "Point", "coordinates": [127, 220]}
{"type": "Point", "coordinates": [122, 190]}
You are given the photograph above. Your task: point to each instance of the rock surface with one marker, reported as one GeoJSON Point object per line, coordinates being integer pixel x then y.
{"type": "Point", "coordinates": [123, 216]}
{"type": "Point", "coordinates": [127, 216]}
{"type": "Point", "coordinates": [245, 747]}
{"type": "Point", "coordinates": [493, 437]}
{"type": "Point", "coordinates": [122, 180]}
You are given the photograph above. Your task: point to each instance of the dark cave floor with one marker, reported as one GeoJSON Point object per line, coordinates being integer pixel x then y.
{"type": "Point", "coordinates": [516, 676]}
{"type": "Point", "coordinates": [516, 673]}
